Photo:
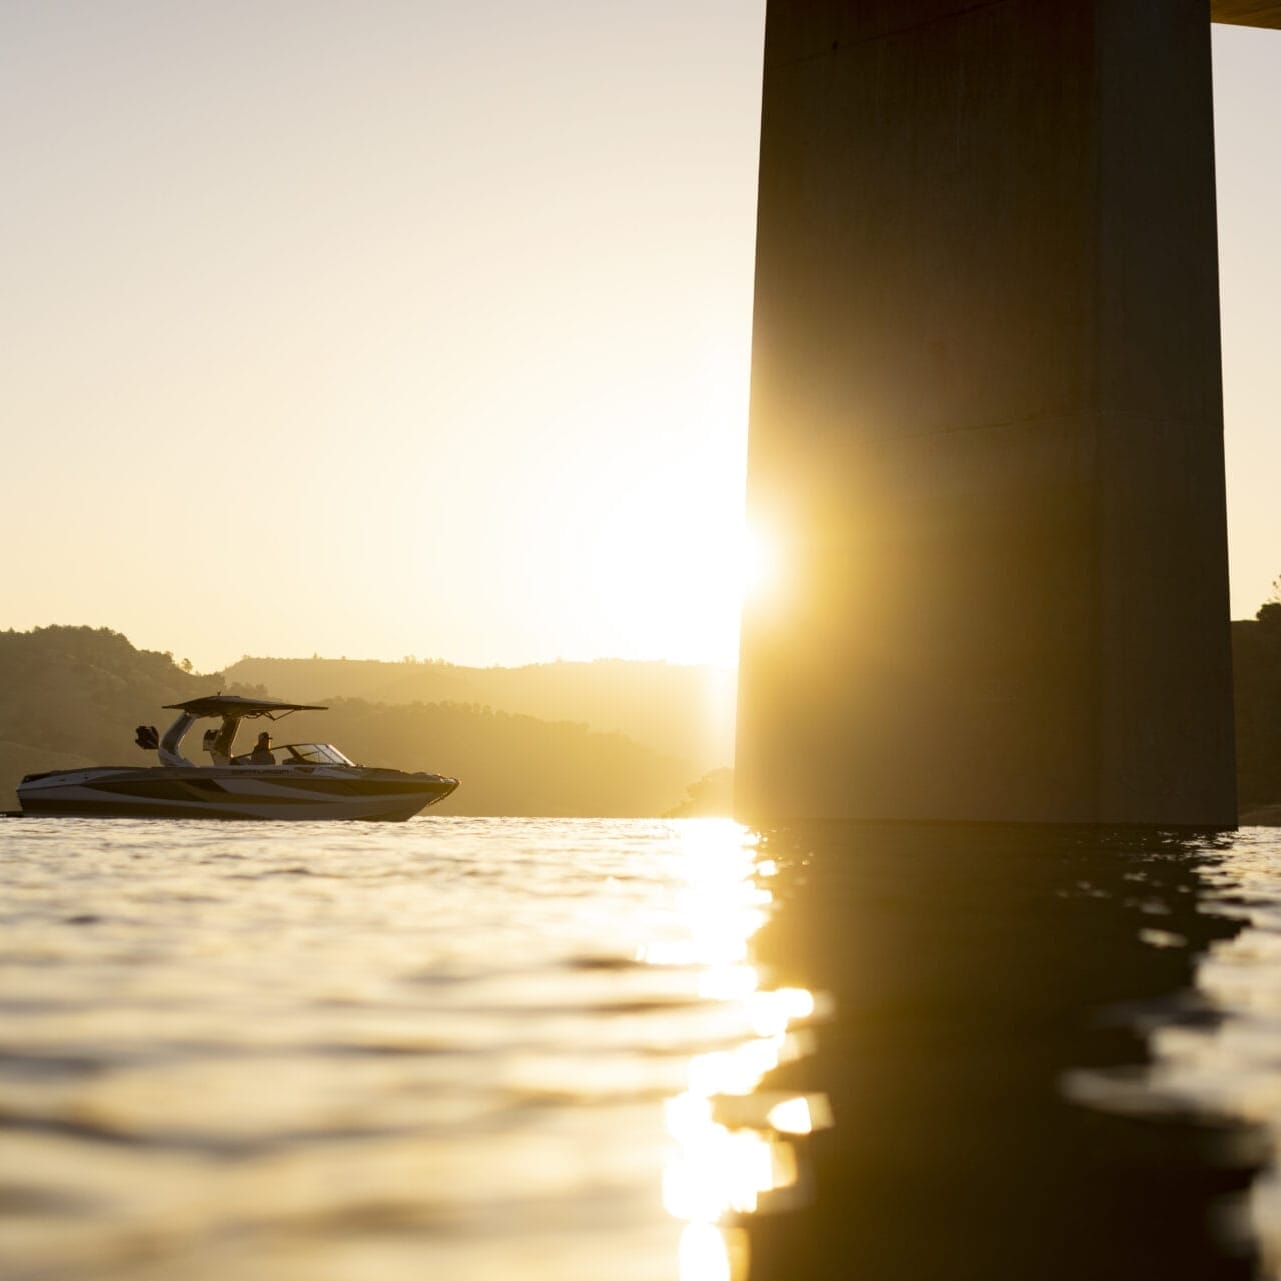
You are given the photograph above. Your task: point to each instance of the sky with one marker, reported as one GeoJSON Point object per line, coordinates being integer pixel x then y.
{"type": "Point", "coordinates": [405, 328]}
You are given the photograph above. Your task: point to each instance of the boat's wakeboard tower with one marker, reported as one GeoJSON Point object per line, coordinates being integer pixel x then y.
{"type": "Point", "coordinates": [172, 740]}
{"type": "Point", "coordinates": [231, 708]}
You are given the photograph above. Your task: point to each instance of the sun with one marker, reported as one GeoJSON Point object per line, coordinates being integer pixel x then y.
{"type": "Point", "coordinates": [671, 553]}
{"type": "Point", "coordinates": [673, 586]}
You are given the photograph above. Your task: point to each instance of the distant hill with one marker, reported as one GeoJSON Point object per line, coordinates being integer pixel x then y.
{"type": "Point", "coordinates": [509, 764]}
{"type": "Point", "coordinates": [72, 696]}
{"type": "Point", "coordinates": [679, 711]}
{"type": "Point", "coordinates": [711, 796]}
{"type": "Point", "coordinates": [1256, 664]}
{"type": "Point", "coordinates": [80, 691]}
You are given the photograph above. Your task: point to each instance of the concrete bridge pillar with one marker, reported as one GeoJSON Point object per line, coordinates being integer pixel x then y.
{"type": "Point", "coordinates": [986, 418]}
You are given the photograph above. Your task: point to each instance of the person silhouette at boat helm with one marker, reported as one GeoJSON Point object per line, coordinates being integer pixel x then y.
{"type": "Point", "coordinates": [261, 755]}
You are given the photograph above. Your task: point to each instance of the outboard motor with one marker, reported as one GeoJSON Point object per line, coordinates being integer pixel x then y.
{"type": "Point", "coordinates": [147, 737]}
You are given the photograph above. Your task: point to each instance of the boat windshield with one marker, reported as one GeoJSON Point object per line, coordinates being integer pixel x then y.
{"type": "Point", "coordinates": [311, 754]}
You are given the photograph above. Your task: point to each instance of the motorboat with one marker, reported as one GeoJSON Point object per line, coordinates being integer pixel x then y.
{"type": "Point", "coordinates": [300, 781]}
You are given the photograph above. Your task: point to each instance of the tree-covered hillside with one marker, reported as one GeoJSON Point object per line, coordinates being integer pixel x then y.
{"type": "Point", "coordinates": [81, 690]}
{"type": "Point", "coordinates": [508, 764]}
{"type": "Point", "coordinates": [682, 711]}
{"type": "Point", "coordinates": [1256, 660]}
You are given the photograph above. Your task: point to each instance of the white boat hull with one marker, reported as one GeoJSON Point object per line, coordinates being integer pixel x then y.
{"type": "Point", "coordinates": [279, 793]}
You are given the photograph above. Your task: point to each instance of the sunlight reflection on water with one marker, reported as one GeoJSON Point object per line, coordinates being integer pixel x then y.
{"type": "Point", "coordinates": [464, 1048]}
{"type": "Point", "coordinates": [729, 1146]}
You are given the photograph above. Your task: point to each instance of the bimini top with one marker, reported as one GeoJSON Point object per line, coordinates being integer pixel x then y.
{"type": "Point", "coordinates": [234, 705]}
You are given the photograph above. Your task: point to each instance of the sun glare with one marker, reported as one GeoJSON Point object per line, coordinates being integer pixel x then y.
{"type": "Point", "coordinates": [758, 563]}
{"type": "Point", "coordinates": [733, 1143]}
{"type": "Point", "coordinates": [674, 587]}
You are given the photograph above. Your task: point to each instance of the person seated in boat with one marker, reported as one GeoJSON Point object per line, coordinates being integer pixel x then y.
{"type": "Point", "coordinates": [261, 755]}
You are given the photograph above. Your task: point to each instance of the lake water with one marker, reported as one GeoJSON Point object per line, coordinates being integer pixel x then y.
{"type": "Point", "coordinates": [511, 1049]}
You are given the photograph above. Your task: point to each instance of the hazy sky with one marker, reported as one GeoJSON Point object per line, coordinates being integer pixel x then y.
{"type": "Point", "coordinates": [423, 328]}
